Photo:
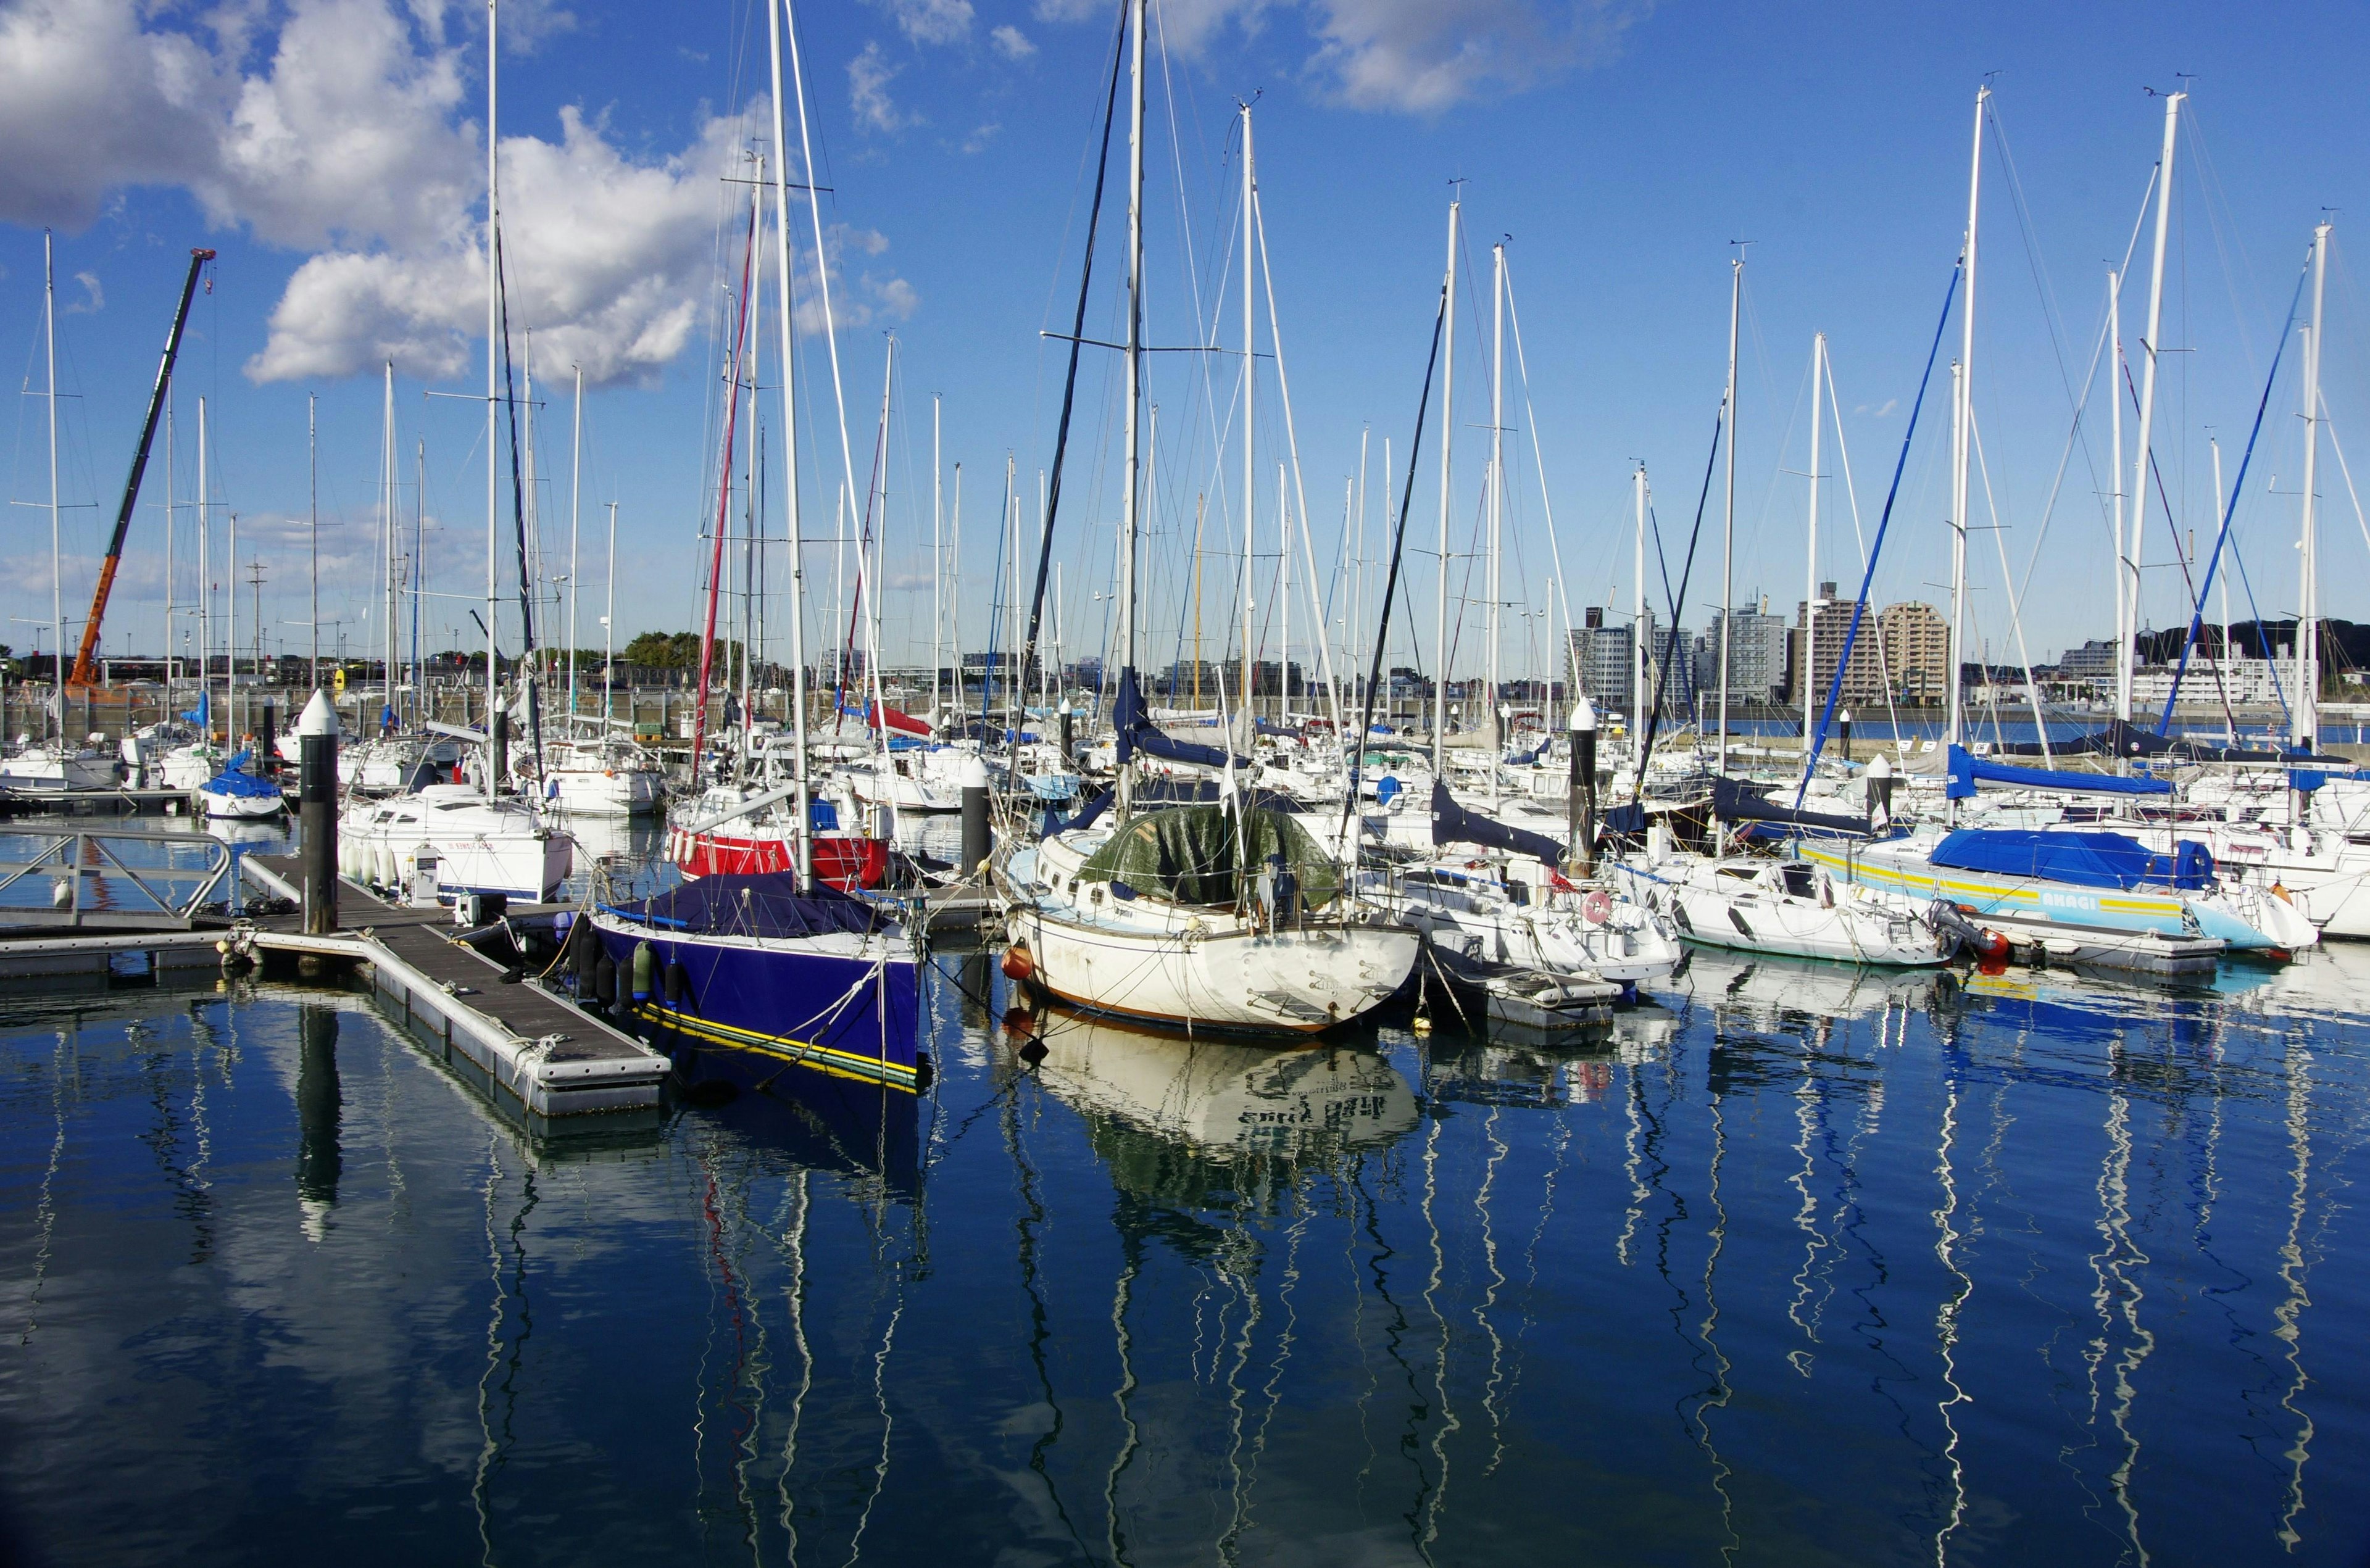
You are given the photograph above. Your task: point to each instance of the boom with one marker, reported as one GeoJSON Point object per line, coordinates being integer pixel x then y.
{"type": "Point", "coordinates": [82, 673]}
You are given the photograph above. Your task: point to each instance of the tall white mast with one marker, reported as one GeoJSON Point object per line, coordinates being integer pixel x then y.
{"type": "Point", "coordinates": [57, 594]}
{"type": "Point", "coordinates": [1135, 361]}
{"type": "Point", "coordinates": [2230, 729]}
{"type": "Point", "coordinates": [609, 629]}
{"type": "Point", "coordinates": [1497, 490]}
{"type": "Point", "coordinates": [493, 389]}
{"type": "Point", "coordinates": [575, 534]}
{"type": "Point", "coordinates": [168, 553]}
{"type": "Point", "coordinates": [1250, 460]}
{"type": "Point", "coordinates": [1284, 596]}
{"type": "Point", "coordinates": [1728, 527]}
{"type": "Point", "coordinates": [937, 568]}
{"type": "Point", "coordinates": [205, 591]}
{"type": "Point", "coordinates": [1640, 699]}
{"type": "Point", "coordinates": [1811, 554]}
{"type": "Point", "coordinates": [386, 511]}
{"type": "Point", "coordinates": [2148, 400]}
{"type": "Point", "coordinates": [2125, 591]}
{"type": "Point", "coordinates": [1440, 621]}
{"type": "Point", "coordinates": [790, 455]}
{"type": "Point", "coordinates": [2307, 641]}
{"type": "Point", "coordinates": [312, 525]}
{"type": "Point", "coordinates": [1962, 385]}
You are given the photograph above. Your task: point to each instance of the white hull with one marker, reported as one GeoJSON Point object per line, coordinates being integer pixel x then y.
{"type": "Point", "coordinates": [479, 848]}
{"type": "Point", "coordinates": [1841, 923]}
{"type": "Point", "coordinates": [242, 807]}
{"type": "Point", "coordinates": [39, 768]}
{"type": "Point", "coordinates": [1295, 981]}
{"type": "Point", "coordinates": [584, 792]}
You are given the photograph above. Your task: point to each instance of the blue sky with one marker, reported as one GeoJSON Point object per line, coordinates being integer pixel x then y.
{"type": "Point", "coordinates": [326, 150]}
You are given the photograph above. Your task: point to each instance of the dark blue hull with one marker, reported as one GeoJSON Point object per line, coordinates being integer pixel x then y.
{"type": "Point", "coordinates": [786, 1000]}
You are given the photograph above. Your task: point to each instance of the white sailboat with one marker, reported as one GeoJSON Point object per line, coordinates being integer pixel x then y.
{"type": "Point", "coordinates": [1226, 916]}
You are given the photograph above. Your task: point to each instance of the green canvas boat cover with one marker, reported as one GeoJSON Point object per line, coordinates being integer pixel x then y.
{"type": "Point", "coordinates": [1187, 856]}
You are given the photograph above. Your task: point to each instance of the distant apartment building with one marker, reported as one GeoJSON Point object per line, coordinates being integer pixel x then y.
{"type": "Point", "coordinates": [1757, 657]}
{"type": "Point", "coordinates": [2210, 682]}
{"type": "Point", "coordinates": [1603, 657]}
{"type": "Point", "coordinates": [1821, 628]}
{"type": "Point", "coordinates": [2094, 662]}
{"type": "Point", "coordinates": [1670, 670]}
{"type": "Point", "coordinates": [1917, 645]}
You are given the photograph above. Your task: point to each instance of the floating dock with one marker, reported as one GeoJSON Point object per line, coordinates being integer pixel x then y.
{"type": "Point", "coordinates": [554, 1057]}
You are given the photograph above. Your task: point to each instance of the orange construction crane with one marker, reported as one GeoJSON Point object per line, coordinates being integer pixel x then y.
{"type": "Point", "coordinates": [83, 674]}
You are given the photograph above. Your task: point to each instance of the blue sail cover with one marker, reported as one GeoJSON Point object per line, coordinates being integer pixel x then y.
{"type": "Point", "coordinates": [199, 715]}
{"type": "Point", "coordinates": [1136, 732]}
{"type": "Point", "coordinates": [1451, 823]}
{"type": "Point", "coordinates": [1740, 802]}
{"type": "Point", "coordinates": [1967, 769]}
{"type": "Point", "coordinates": [234, 780]}
{"type": "Point", "coordinates": [2086, 860]}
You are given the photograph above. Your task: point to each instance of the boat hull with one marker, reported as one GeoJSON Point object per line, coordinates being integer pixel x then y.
{"type": "Point", "coordinates": [1293, 981]}
{"type": "Point", "coordinates": [846, 1005]}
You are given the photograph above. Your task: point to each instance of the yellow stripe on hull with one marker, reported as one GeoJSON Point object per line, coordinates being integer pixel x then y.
{"type": "Point", "coordinates": [782, 1047]}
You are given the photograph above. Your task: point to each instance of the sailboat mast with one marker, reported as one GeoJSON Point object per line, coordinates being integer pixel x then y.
{"type": "Point", "coordinates": [2147, 396]}
{"type": "Point", "coordinates": [1135, 359]}
{"type": "Point", "coordinates": [205, 591]}
{"type": "Point", "coordinates": [312, 525]}
{"type": "Point", "coordinates": [57, 597]}
{"type": "Point", "coordinates": [1440, 620]}
{"type": "Point", "coordinates": [1250, 465]}
{"type": "Point", "coordinates": [1728, 507]}
{"type": "Point", "coordinates": [493, 390]}
{"type": "Point", "coordinates": [2124, 593]}
{"type": "Point", "coordinates": [2307, 640]}
{"type": "Point", "coordinates": [789, 456]}
{"type": "Point", "coordinates": [1640, 633]}
{"type": "Point", "coordinates": [938, 568]}
{"type": "Point", "coordinates": [575, 534]}
{"type": "Point", "coordinates": [1963, 395]}
{"type": "Point", "coordinates": [1497, 493]}
{"type": "Point", "coordinates": [609, 630]}
{"type": "Point", "coordinates": [168, 552]}
{"type": "Point", "coordinates": [1811, 551]}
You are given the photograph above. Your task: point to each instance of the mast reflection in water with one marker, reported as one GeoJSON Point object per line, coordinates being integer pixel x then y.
{"type": "Point", "coordinates": [1801, 1266]}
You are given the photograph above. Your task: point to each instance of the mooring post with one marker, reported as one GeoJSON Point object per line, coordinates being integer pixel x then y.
{"type": "Point", "coordinates": [316, 811]}
{"type": "Point", "coordinates": [1847, 730]}
{"type": "Point", "coordinates": [1879, 793]}
{"type": "Point", "coordinates": [1581, 855]}
{"type": "Point", "coordinates": [975, 845]}
{"type": "Point", "coordinates": [1067, 720]}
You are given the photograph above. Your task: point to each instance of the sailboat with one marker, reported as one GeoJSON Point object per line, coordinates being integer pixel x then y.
{"type": "Point", "coordinates": [779, 965]}
{"type": "Point", "coordinates": [1226, 916]}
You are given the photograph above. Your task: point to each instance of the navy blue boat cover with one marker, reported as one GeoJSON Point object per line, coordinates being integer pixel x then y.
{"type": "Point", "coordinates": [1136, 733]}
{"type": "Point", "coordinates": [2086, 860]}
{"type": "Point", "coordinates": [1740, 802]}
{"type": "Point", "coordinates": [768, 904]}
{"type": "Point", "coordinates": [1451, 823]}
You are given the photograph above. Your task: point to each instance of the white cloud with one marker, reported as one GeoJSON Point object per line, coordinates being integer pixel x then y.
{"type": "Point", "coordinates": [1409, 56]}
{"type": "Point", "coordinates": [1011, 42]}
{"type": "Point", "coordinates": [869, 75]}
{"type": "Point", "coordinates": [930, 21]}
{"type": "Point", "coordinates": [977, 141]}
{"type": "Point", "coordinates": [347, 133]}
{"type": "Point", "coordinates": [96, 300]}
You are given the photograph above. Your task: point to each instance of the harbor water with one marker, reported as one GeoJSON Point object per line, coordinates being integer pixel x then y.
{"type": "Point", "coordinates": [1805, 1266]}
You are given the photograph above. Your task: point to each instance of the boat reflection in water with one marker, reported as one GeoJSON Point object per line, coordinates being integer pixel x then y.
{"type": "Point", "coordinates": [817, 1121]}
{"type": "Point", "coordinates": [1502, 1068]}
{"type": "Point", "coordinates": [1214, 1099]}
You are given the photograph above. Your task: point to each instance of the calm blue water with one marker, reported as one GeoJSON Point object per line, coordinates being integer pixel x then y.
{"type": "Point", "coordinates": [1806, 1269]}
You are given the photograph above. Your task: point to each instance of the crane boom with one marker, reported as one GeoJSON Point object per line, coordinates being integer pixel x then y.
{"type": "Point", "coordinates": [82, 673]}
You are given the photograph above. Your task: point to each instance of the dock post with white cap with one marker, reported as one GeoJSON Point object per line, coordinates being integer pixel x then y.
{"type": "Point", "coordinates": [1879, 794]}
{"type": "Point", "coordinates": [316, 798]}
{"type": "Point", "coordinates": [1581, 855]}
{"type": "Point", "coordinates": [1847, 729]}
{"type": "Point", "coordinates": [975, 843]}
{"type": "Point", "coordinates": [1067, 721]}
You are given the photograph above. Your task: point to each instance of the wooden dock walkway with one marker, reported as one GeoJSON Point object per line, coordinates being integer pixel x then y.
{"type": "Point", "coordinates": [556, 1057]}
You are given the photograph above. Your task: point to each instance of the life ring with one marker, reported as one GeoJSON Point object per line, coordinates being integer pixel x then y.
{"type": "Point", "coordinates": [1595, 907]}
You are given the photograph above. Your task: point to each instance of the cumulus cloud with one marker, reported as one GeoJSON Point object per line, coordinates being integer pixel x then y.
{"type": "Point", "coordinates": [94, 297]}
{"type": "Point", "coordinates": [341, 128]}
{"type": "Point", "coordinates": [1407, 57]}
{"type": "Point", "coordinates": [930, 21]}
{"type": "Point", "coordinates": [869, 75]}
{"type": "Point", "coordinates": [1011, 42]}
